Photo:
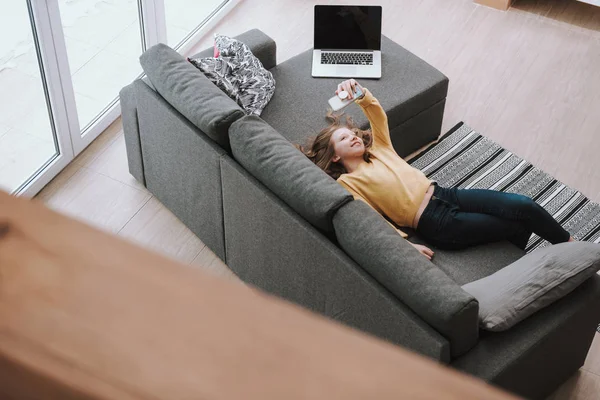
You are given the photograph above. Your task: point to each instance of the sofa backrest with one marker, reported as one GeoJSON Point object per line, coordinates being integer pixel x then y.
{"type": "Point", "coordinates": [288, 173]}
{"type": "Point", "coordinates": [190, 92]}
{"type": "Point", "coordinates": [270, 246]}
{"type": "Point", "coordinates": [370, 241]}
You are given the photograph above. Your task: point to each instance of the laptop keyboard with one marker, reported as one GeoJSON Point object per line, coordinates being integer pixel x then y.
{"type": "Point", "coordinates": [347, 58]}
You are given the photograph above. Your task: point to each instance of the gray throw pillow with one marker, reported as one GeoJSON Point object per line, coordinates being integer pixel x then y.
{"type": "Point", "coordinates": [238, 73]}
{"type": "Point", "coordinates": [533, 282]}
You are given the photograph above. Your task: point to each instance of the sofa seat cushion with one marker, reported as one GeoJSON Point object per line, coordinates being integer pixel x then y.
{"type": "Point", "coordinates": [473, 263]}
{"type": "Point", "coordinates": [408, 86]}
{"type": "Point", "coordinates": [376, 246]}
{"type": "Point", "coordinates": [190, 92]}
{"type": "Point", "coordinates": [288, 173]}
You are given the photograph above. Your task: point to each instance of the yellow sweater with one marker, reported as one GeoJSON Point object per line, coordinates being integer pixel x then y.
{"type": "Point", "coordinates": [388, 183]}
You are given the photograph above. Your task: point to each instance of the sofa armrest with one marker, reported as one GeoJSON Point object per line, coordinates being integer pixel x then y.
{"type": "Point", "coordinates": [131, 131]}
{"type": "Point", "coordinates": [261, 45]}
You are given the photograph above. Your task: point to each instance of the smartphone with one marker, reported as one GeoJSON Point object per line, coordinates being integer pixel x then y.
{"type": "Point", "coordinates": [337, 104]}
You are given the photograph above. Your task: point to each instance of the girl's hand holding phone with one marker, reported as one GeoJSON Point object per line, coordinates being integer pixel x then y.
{"type": "Point", "coordinates": [350, 86]}
{"type": "Point", "coordinates": [347, 92]}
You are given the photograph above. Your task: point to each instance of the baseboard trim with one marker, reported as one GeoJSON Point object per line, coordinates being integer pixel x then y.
{"type": "Point", "coordinates": [498, 4]}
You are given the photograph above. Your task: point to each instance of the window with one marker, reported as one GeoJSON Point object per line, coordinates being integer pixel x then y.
{"type": "Point", "coordinates": [62, 64]}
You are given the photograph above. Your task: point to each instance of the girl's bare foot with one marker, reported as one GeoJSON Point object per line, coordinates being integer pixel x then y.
{"type": "Point", "coordinates": [571, 239]}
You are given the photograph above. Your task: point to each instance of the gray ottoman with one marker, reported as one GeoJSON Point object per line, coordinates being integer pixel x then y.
{"type": "Point", "coordinates": [412, 92]}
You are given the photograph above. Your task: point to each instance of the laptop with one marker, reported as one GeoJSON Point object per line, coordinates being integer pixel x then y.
{"type": "Point", "coordinates": [347, 41]}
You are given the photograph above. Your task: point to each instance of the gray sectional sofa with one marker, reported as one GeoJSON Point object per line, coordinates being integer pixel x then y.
{"type": "Point", "coordinates": [283, 225]}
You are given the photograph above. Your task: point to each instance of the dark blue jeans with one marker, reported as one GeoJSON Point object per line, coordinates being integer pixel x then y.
{"type": "Point", "coordinates": [459, 218]}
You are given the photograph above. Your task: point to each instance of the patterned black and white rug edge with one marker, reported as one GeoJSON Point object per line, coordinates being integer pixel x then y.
{"type": "Point", "coordinates": [465, 159]}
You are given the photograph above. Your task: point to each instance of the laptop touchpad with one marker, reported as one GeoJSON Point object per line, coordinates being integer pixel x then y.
{"type": "Point", "coordinates": [346, 70]}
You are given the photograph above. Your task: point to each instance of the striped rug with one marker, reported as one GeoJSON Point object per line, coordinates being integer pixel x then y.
{"type": "Point", "coordinates": [465, 159]}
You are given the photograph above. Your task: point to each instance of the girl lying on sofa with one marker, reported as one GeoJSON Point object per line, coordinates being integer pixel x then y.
{"type": "Point", "coordinates": [365, 163]}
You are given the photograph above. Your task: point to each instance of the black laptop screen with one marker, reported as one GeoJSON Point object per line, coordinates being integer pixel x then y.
{"type": "Point", "coordinates": [348, 27]}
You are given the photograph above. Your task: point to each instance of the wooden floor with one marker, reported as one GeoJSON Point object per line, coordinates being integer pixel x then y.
{"type": "Point", "coordinates": [528, 78]}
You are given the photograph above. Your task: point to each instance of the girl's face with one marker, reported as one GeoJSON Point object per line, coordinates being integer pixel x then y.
{"type": "Point", "coordinates": [346, 145]}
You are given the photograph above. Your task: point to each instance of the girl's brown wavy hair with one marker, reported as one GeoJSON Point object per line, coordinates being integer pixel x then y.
{"type": "Point", "coordinates": [320, 149]}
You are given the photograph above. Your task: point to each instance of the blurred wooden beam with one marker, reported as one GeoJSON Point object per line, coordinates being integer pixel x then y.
{"type": "Point", "coordinates": [85, 315]}
{"type": "Point", "coordinates": [499, 4]}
